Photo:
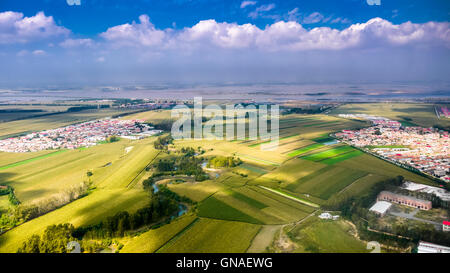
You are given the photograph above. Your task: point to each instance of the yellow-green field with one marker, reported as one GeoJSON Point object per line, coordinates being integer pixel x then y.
{"type": "Point", "coordinates": [216, 236]}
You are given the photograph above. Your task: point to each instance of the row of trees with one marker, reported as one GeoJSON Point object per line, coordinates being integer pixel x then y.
{"type": "Point", "coordinates": [163, 204]}
{"type": "Point", "coordinates": [54, 240]}
{"type": "Point", "coordinates": [162, 142]}
{"type": "Point", "coordinates": [22, 213]}
{"type": "Point", "coordinates": [8, 190]}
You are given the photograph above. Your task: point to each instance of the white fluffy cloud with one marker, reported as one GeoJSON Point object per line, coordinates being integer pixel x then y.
{"type": "Point", "coordinates": [280, 36]}
{"type": "Point", "coordinates": [15, 28]}
{"type": "Point", "coordinates": [135, 34]}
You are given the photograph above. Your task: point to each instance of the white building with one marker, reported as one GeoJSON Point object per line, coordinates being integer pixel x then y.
{"type": "Point", "coordinates": [381, 207]}
{"type": "Point", "coordinates": [425, 247]}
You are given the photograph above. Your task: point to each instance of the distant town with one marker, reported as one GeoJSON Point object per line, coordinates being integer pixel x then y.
{"type": "Point", "coordinates": [424, 149]}
{"type": "Point", "coordinates": [75, 136]}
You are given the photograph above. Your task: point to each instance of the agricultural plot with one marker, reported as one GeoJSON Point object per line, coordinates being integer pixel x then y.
{"type": "Point", "coordinates": [371, 164]}
{"type": "Point", "coordinates": [150, 241]}
{"type": "Point", "coordinates": [293, 170]}
{"type": "Point", "coordinates": [252, 168]}
{"type": "Point", "coordinates": [216, 236]}
{"type": "Point", "coordinates": [263, 239]}
{"type": "Point", "coordinates": [304, 150]}
{"type": "Point", "coordinates": [15, 164]}
{"type": "Point", "coordinates": [64, 169]}
{"type": "Point", "coordinates": [12, 158]}
{"type": "Point", "coordinates": [334, 155]}
{"type": "Point", "coordinates": [324, 236]}
{"type": "Point", "coordinates": [248, 205]}
{"type": "Point", "coordinates": [326, 182]}
{"type": "Point", "coordinates": [196, 191]}
{"type": "Point", "coordinates": [341, 157]}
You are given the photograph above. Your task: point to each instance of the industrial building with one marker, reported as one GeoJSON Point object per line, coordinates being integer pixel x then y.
{"type": "Point", "coordinates": [404, 200]}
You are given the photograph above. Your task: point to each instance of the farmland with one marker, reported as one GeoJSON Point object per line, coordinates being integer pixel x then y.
{"type": "Point", "coordinates": [236, 209]}
{"type": "Point", "coordinates": [217, 236]}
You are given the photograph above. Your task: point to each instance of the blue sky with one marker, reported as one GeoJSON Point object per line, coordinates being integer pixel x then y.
{"type": "Point", "coordinates": [94, 16]}
{"type": "Point", "coordinates": [223, 40]}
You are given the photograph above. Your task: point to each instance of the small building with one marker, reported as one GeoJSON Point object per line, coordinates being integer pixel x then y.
{"type": "Point", "coordinates": [445, 226]}
{"type": "Point", "coordinates": [425, 247]}
{"type": "Point", "coordinates": [381, 207]}
{"type": "Point", "coordinates": [325, 215]}
{"type": "Point", "coordinates": [404, 200]}
{"type": "Point", "coordinates": [328, 216]}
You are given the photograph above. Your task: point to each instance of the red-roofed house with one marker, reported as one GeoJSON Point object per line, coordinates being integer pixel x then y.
{"type": "Point", "coordinates": [445, 226]}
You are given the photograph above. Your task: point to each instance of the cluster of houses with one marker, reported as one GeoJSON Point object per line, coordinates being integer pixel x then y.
{"type": "Point", "coordinates": [84, 134]}
{"type": "Point", "coordinates": [425, 149]}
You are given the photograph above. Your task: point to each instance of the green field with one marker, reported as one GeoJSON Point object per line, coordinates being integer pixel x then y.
{"type": "Point", "coordinates": [330, 153]}
{"type": "Point", "coordinates": [304, 150]}
{"type": "Point", "coordinates": [326, 182]}
{"type": "Point", "coordinates": [152, 240]}
{"type": "Point", "coordinates": [216, 236]}
{"type": "Point", "coordinates": [325, 236]}
{"type": "Point", "coordinates": [30, 160]}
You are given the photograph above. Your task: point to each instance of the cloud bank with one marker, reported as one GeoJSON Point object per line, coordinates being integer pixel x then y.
{"type": "Point", "coordinates": [36, 48]}
{"type": "Point", "coordinates": [15, 28]}
{"type": "Point", "coordinates": [280, 36]}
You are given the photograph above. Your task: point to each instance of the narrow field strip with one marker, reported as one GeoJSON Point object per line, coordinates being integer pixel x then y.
{"type": "Point", "coordinates": [268, 141]}
{"type": "Point", "coordinates": [30, 160]}
{"type": "Point", "coordinates": [290, 197]}
{"type": "Point", "coordinates": [304, 150]}
{"type": "Point", "coordinates": [265, 162]}
{"type": "Point", "coordinates": [317, 157]}
{"type": "Point", "coordinates": [176, 236]}
{"type": "Point", "coordinates": [341, 157]}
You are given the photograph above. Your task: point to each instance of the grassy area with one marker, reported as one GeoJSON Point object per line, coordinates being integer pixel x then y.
{"type": "Point", "coordinates": [196, 191]}
{"type": "Point", "coordinates": [341, 157]}
{"type": "Point", "coordinates": [325, 236]}
{"type": "Point", "coordinates": [216, 236]}
{"type": "Point", "coordinates": [150, 241]}
{"type": "Point", "coordinates": [217, 209]}
{"type": "Point", "coordinates": [30, 160]}
{"type": "Point", "coordinates": [316, 157]}
{"type": "Point", "coordinates": [304, 150]}
{"type": "Point", "coordinates": [326, 182]}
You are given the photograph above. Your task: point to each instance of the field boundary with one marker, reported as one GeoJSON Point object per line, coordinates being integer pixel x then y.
{"type": "Point", "coordinates": [286, 195]}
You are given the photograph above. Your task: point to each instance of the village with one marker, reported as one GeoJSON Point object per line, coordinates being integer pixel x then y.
{"type": "Point", "coordinates": [75, 136]}
{"type": "Point", "coordinates": [424, 149]}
